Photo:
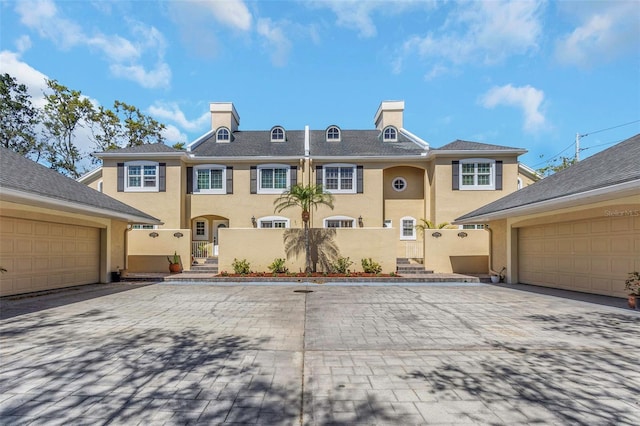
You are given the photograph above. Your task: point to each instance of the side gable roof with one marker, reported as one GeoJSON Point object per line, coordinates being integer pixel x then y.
{"type": "Point", "coordinates": [146, 148]}
{"type": "Point", "coordinates": [460, 145]}
{"type": "Point", "coordinates": [611, 168]}
{"type": "Point", "coordinates": [32, 183]}
{"type": "Point", "coordinates": [359, 143]}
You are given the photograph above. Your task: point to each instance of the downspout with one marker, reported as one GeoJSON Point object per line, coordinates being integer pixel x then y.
{"type": "Point", "coordinates": [490, 259]}
{"type": "Point", "coordinates": [126, 247]}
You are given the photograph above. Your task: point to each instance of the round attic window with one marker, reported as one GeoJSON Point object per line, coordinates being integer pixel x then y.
{"type": "Point", "coordinates": [399, 184]}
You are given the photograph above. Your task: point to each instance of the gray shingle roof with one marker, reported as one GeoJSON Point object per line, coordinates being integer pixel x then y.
{"type": "Point", "coordinates": [616, 165]}
{"type": "Point", "coordinates": [460, 145]}
{"type": "Point", "coordinates": [253, 143]}
{"type": "Point", "coordinates": [146, 148]}
{"type": "Point", "coordinates": [358, 143]}
{"type": "Point", "coordinates": [355, 143]}
{"type": "Point", "coordinates": [21, 174]}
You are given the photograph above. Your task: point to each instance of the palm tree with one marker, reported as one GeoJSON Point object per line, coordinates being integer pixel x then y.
{"type": "Point", "coordinates": [304, 197]}
{"type": "Point", "coordinates": [427, 224]}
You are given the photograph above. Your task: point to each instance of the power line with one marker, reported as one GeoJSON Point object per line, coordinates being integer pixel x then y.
{"type": "Point", "coordinates": [609, 128]}
{"type": "Point", "coordinates": [601, 144]}
{"type": "Point", "coordinates": [555, 156]}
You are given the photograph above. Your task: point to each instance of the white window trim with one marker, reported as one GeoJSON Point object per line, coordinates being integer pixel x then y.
{"type": "Point", "coordinates": [287, 222]}
{"type": "Point", "coordinates": [326, 219]}
{"type": "Point", "coordinates": [520, 184]}
{"type": "Point", "coordinates": [414, 234]}
{"type": "Point", "coordinates": [354, 178]}
{"type": "Point", "coordinates": [218, 131]}
{"type": "Point", "coordinates": [476, 187]}
{"type": "Point", "coordinates": [385, 139]}
{"type": "Point", "coordinates": [209, 167]}
{"type": "Point", "coordinates": [472, 226]}
{"type": "Point", "coordinates": [388, 223]}
{"type": "Point", "coordinates": [326, 134]}
{"type": "Point", "coordinates": [141, 188]}
{"type": "Point", "coordinates": [100, 185]}
{"type": "Point", "coordinates": [273, 190]}
{"type": "Point", "coordinates": [284, 134]}
{"type": "Point", "coordinates": [401, 179]}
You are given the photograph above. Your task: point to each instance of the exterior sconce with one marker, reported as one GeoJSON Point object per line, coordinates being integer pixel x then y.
{"type": "Point", "coordinates": [436, 234]}
{"type": "Point", "coordinates": [462, 234]}
{"type": "Point", "coordinates": [254, 222]}
{"type": "Point", "coordinates": [154, 234]}
{"type": "Point", "coordinates": [178, 235]}
{"type": "Point", "coordinates": [360, 222]}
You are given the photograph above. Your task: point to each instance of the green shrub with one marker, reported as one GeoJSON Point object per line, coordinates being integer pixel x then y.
{"type": "Point", "coordinates": [278, 267]}
{"type": "Point", "coordinates": [241, 266]}
{"type": "Point", "coordinates": [341, 265]}
{"type": "Point", "coordinates": [371, 267]}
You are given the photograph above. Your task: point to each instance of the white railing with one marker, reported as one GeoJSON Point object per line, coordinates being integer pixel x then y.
{"type": "Point", "coordinates": [414, 249]}
{"type": "Point", "coordinates": [202, 249]}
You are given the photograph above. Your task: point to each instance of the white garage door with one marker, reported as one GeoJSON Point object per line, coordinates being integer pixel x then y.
{"type": "Point", "coordinates": [587, 255]}
{"type": "Point", "coordinates": [45, 255]}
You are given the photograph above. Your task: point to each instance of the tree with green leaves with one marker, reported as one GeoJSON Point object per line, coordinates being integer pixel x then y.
{"type": "Point", "coordinates": [64, 113]}
{"type": "Point", "coordinates": [427, 224]}
{"type": "Point", "coordinates": [306, 198]}
{"type": "Point", "coordinates": [138, 128]}
{"type": "Point", "coordinates": [19, 118]}
{"type": "Point", "coordinates": [557, 165]}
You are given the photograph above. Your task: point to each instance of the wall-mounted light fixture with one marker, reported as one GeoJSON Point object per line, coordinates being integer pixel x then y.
{"type": "Point", "coordinates": [462, 234]}
{"type": "Point", "coordinates": [154, 234]}
{"type": "Point", "coordinates": [178, 235]}
{"type": "Point", "coordinates": [360, 222]}
{"type": "Point", "coordinates": [436, 234]}
{"type": "Point", "coordinates": [254, 222]}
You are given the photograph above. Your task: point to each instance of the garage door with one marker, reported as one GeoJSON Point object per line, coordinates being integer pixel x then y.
{"type": "Point", "coordinates": [587, 255]}
{"type": "Point", "coordinates": [45, 255]}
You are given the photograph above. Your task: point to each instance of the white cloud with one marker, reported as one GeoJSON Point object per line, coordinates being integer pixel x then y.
{"type": "Point", "coordinates": [276, 42]}
{"type": "Point", "coordinates": [527, 98]}
{"type": "Point", "coordinates": [173, 135]}
{"type": "Point", "coordinates": [35, 81]}
{"type": "Point", "coordinates": [23, 43]}
{"type": "Point", "coordinates": [171, 111]}
{"type": "Point", "coordinates": [357, 14]}
{"type": "Point", "coordinates": [485, 32]}
{"type": "Point", "coordinates": [607, 31]}
{"type": "Point", "coordinates": [232, 13]}
{"type": "Point", "coordinates": [126, 56]}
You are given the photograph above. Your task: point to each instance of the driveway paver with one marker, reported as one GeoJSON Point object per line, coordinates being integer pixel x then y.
{"type": "Point", "coordinates": [397, 355]}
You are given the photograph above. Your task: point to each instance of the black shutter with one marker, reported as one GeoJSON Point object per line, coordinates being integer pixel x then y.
{"type": "Point", "coordinates": [455, 175]}
{"type": "Point", "coordinates": [162, 177]}
{"type": "Point", "coordinates": [293, 174]}
{"type": "Point", "coordinates": [253, 175]}
{"type": "Point", "coordinates": [498, 175]}
{"type": "Point", "coordinates": [229, 180]}
{"type": "Point", "coordinates": [359, 179]}
{"type": "Point", "coordinates": [189, 180]}
{"type": "Point", "coordinates": [120, 177]}
{"type": "Point", "coordinates": [318, 175]}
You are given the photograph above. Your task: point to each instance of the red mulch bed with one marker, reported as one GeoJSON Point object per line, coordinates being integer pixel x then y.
{"type": "Point", "coordinates": [305, 275]}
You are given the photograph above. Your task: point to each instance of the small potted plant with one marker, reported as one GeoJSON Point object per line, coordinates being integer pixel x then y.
{"type": "Point", "coordinates": [497, 277]}
{"type": "Point", "coordinates": [174, 263]}
{"type": "Point", "coordinates": [632, 285]}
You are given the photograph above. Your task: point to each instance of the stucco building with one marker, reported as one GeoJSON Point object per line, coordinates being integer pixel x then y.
{"type": "Point", "coordinates": [385, 179]}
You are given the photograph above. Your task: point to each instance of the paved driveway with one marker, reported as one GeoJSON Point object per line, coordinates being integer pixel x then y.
{"type": "Point", "coordinates": [343, 355]}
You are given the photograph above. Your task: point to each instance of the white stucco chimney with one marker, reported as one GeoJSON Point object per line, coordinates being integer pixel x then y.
{"type": "Point", "coordinates": [224, 114]}
{"type": "Point", "coordinates": [389, 114]}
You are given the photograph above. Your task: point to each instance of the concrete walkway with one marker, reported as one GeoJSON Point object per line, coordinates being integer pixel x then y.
{"type": "Point", "coordinates": [446, 354]}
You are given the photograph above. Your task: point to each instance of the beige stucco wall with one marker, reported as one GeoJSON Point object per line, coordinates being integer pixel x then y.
{"type": "Point", "coordinates": [451, 253]}
{"type": "Point", "coordinates": [449, 204]}
{"type": "Point", "coordinates": [166, 206]}
{"type": "Point", "coordinates": [111, 236]}
{"type": "Point", "coordinates": [149, 254]}
{"type": "Point", "coordinates": [261, 246]}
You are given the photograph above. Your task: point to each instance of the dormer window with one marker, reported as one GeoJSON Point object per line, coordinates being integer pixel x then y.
{"type": "Point", "coordinates": [277, 134]}
{"type": "Point", "coordinates": [223, 135]}
{"type": "Point", "coordinates": [333, 134]}
{"type": "Point", "coordinates": [390, 134]}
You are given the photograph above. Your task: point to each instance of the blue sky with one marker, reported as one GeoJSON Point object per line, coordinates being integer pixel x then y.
{"type": "Point", "coordinates": [520, 73]}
